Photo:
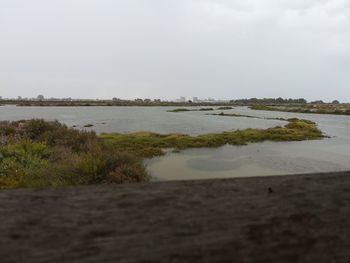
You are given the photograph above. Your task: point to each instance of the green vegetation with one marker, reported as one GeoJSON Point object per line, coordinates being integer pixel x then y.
{"type": "Point", "coordinates": [184, 109]}
{"type": "Point", "coordinates": [107, 103]}
{"type": "Point", "coordinates": [225, 108]}
{"type": "Point", "coordinates": [147, 144]}
{"type": "Point", "coordinates": [179, 110]}
{"type": "Point", "coordinates": [269, 101]}
{"type": "Point", "coordinates": [36, 153]}
{"type": "Point", "coordinates": [335, 109]}
{"type": "Point", "coordinates": [201, 109]}
{"type": "Point", "coordinates": [68, 102]}
{"type": "Point", "coordinates": [261, 107]}
{"type": "Point", "coordinates": [246, 116]}
{"type": "Point", "coordinates": [234, 115]}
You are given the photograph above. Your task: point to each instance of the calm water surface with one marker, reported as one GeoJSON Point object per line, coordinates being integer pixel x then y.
{"type": "Point", "coordinates": [268, 158]}
{"type": "Point", "coordinates": [132, 119]}
{"type": "Point", "coordinates": [262, 159]}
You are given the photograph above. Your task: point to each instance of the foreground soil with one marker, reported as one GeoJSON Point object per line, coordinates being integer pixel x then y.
{"type": "Point", "coordinates": [299, 218]}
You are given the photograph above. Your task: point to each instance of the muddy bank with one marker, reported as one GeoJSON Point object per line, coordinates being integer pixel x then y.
{"type": "Point", "coordinates": [300, 218]}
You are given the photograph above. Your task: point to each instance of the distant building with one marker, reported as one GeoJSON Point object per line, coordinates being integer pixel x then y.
{"type": "Point", "coordinates": [182, 99]}
{"type": "Point", "coordinates": [195, 99]}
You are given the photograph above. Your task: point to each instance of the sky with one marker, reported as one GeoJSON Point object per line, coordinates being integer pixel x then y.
{"type": "Point", "coordinates": [224, 49]}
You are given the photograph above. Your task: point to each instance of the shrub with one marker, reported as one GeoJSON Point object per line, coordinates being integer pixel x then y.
{"type": "Point", "coordinates": [37, 153]}
{"type": "Point", "coordinates": [126, 173]}
{"type": "Point", "coordinates": [22, 156]}
{"type": "Point", "coordinates": [225, 108]}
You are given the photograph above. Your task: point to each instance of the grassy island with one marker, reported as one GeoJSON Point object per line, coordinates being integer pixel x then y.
{"type": "Point", "coordinates": [246, 116]}
{"type": "Point", "coordinates": [149, 144]}
{"type": "Point", "coordinates": [179, 110]}
{"type": "Point", "coordinates": [225, 108]}
{"type": "Point", "coordinates": [233, 115]}
{"type": "Point", "coordinates": [37, 153]}
{"type": "Point", "coordinates": [185, 109]}
{"type": "Point", "coordinates": [200, 109]}
{"type": "Point", "coordinates": [315, 109]}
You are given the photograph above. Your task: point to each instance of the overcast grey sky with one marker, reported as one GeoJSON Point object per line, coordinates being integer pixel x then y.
{"type": "Point", "coordinates": [171, 48]}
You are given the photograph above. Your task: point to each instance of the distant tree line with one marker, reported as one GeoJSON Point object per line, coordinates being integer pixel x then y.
{"type": "Point", "coordinates": [41, 101]}
{"type": "Point", "coordinates": [270, 101]}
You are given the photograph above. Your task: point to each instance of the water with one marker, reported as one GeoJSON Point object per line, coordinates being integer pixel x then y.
{"type": "Point", "coordinates": [263, 159]}
{"type": "Point", "coordinates": [267, 158]}
{"type": "Point", "coordinates": [132, 119]}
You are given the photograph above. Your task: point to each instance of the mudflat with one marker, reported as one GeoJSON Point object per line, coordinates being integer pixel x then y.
{"type": "Point", "coordinates": [297, 218]}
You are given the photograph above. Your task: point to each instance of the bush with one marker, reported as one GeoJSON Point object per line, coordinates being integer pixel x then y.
{"type": "Point", "coordinates": [23, 156]}
{"type": "Point", "coordinates": [126, 173]}
{"type": "Point", "coordinates": [37, 153]}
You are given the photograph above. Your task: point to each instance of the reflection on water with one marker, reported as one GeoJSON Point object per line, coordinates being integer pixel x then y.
{"type": "Point", "coordinates": [268, 158]}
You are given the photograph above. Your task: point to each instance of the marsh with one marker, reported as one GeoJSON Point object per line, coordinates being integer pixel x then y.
{"type": "Point", "coordinates": [266, 158]}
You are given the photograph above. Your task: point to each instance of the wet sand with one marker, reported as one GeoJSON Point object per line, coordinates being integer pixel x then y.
{"type": "Point", "coordinates": [295, 218]}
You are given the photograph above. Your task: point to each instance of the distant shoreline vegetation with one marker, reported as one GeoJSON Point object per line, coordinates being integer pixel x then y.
{"type": "Point", "coordinates": [40, 101]}
{"type": "Point", "coordinates": [108, 103]}
{"type": "Point", "coordinates": [37, 153]}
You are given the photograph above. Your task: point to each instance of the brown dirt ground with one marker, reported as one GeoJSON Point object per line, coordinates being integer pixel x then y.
{"type": "Point", "coordinates": [299, 218]}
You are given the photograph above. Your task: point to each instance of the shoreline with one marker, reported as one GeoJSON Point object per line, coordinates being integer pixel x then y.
{"type": "Point", "coordinates": [287, 218]}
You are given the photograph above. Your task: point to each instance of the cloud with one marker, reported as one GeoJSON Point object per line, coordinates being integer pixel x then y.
{"type": "Point", "coordinates": [157, 48]}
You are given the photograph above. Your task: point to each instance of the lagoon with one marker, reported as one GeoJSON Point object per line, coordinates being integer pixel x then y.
{"type": "Point", "coordinates": [257, 159]}
{"type": "Point", "coordinates": [134, 119]}
{"type": "Point", "coordinates": [262, 159]}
